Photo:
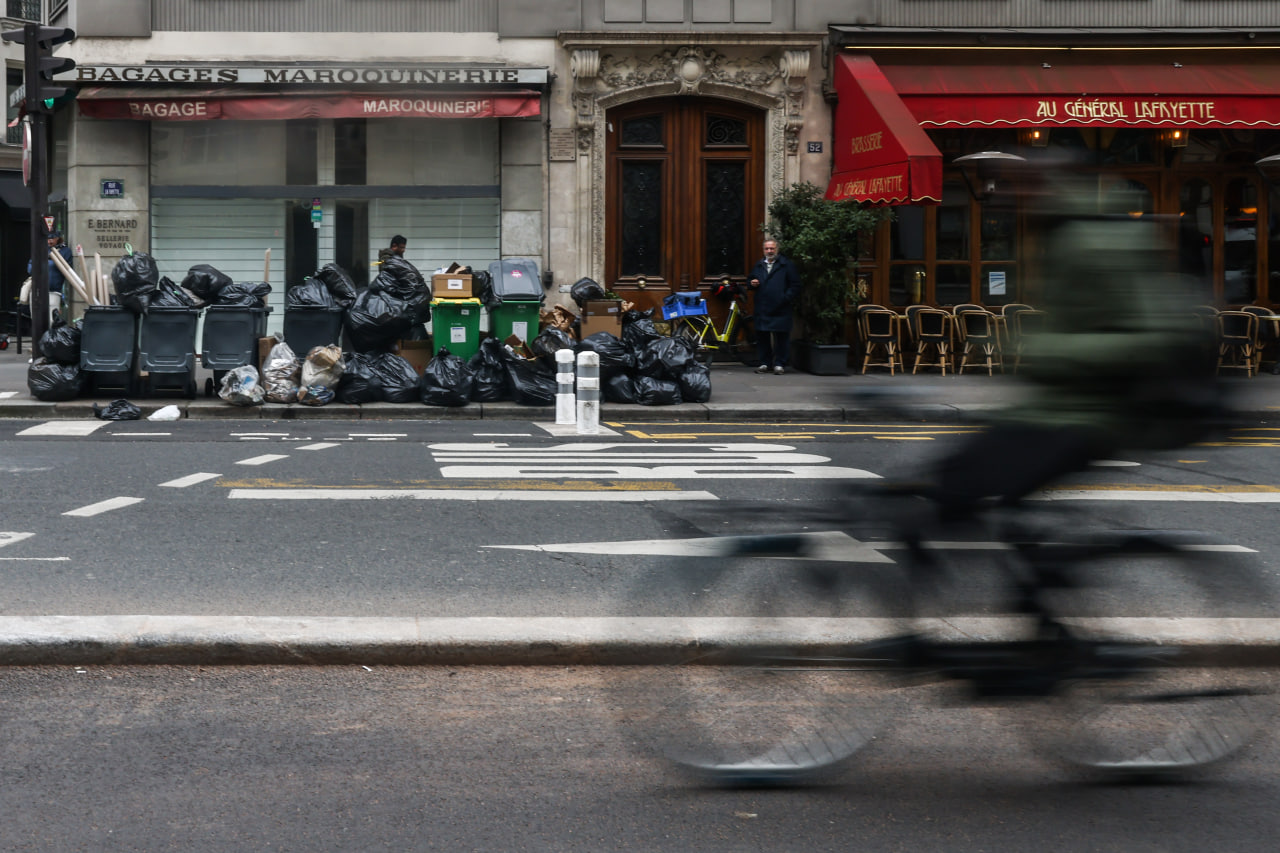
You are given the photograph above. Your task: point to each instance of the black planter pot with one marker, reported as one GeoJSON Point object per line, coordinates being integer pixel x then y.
{"type": "Point", "coordinates": [821, 359]}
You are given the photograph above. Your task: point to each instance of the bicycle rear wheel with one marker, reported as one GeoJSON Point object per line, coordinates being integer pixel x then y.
{"type": "Point", "coordinates": [1144, 707]}
{"type": "Point", "coordinates": [697, 330]}
{"type": "Point", "coordinates": [791, 673]}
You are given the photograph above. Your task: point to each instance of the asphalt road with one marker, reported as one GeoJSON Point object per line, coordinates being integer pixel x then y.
{"type": "Point", "coordinates": [355, 759]}
{"type": "Point", "coordinates": [216, 518]}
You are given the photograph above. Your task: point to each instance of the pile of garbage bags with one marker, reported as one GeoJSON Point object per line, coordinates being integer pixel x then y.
{"type": "Point", "coordinates": [140, 287]}
{"type": "Point", "coordinates": [326, 374]}
{"type": "Point", "coordinates": [56, 376]}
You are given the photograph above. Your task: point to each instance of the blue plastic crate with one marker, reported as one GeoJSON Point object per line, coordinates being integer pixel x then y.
{"type": "Point", "coordinates": [684, 304]}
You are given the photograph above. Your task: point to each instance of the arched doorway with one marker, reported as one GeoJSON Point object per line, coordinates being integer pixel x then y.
{"type": "Point", "coordinates": [684, 195]}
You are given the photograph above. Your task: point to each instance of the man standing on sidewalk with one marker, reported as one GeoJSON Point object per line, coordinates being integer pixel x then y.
{"type": "Point", "coordinates": [776, 282]}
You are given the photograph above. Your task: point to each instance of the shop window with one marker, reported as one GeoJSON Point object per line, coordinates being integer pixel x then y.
{"type": "Point", "coordinates": [1126, 197]}
{"type": "Point", "coordinates": [300, 153]}
{"type": "Point", "coordinates": [999, 232]}
{"type": "Point", "coordinates": [907, 285]}
{"type": "Point", "coordinates": [1128, 147]}
{"type": "Point", "coordinates": [906, 234]}
{"type": "Point", "coordinates": [218, 153]}
{"type": "Point", "coordinates": [1273, 244]}
{"type": "Point", "coordinates": [1240, 242]}
{"type": "Point", "coordinates": [13, 79]}
{"type": "Point", "coordinates": [953, 223]}
{"type": "Point", "coordinates": [951, 284]}
{"type": "Point", "coordinates": [1195, 234]}
{"type": "Point", "coordinates": [999, 284]}
{"type": "Point", "coordinates": [350, 152]}
{"type": "Point", "coordinates": [431, 152]}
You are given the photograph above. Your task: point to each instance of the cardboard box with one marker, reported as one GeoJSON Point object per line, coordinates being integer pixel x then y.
{"type": "Point", "coordinates": [417, 353]}
{"type": "Point", "coordinates": [602, 308]}
{"type": "Point", "coordinates": [611, 323]}
{"type": "Point", "coordinates": [451, 285]}
{"type": "Point", "coordinates": [264, 349]}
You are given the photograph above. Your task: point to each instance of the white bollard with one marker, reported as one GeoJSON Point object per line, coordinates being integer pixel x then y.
{"type": "Point", "coordinates": [565, 404]}
{"type": "Point", "coordinates": [588, 393]}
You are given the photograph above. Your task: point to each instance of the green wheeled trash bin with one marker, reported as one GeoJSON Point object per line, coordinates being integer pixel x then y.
{"type": "Point", "coordinates": [167, 351]}
{"type": "Point", "coordinates": [229, 339]}
{"type": "Point", "coordinates": [455, 324]}
{"type": "Point", "coordinates": [515, 318]}
{"type": "Point", "coordinates": [108, 349]}
{"type": "Point", "coordinates": [513, 295]}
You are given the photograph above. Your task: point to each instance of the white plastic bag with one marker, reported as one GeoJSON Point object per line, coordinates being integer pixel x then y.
{"type": "Point", "coordinates": [280, 374]}
{"type": "Point", "coordinates": [167, 413]}
{"type": "Point", "coordinates": [324, 366]}
{"type": "Point", "coordinates": [241, 387]}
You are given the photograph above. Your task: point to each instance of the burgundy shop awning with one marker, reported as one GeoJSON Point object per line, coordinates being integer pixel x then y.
{"type": "Point", "coordinates": [1167, 95]}
{"type": "Point", "coordinates": [110, 102]}
{"type": "Point", "coordinates": [882, 156]}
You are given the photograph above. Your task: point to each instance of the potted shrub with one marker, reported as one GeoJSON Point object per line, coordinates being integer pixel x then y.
{"type": "Point", "coordinates": [822, 237]}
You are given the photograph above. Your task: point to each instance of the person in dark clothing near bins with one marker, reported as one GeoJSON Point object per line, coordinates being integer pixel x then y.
{"type": "Point", "coordinates": [395, 250]}
{"type": "Point", "coordinates": [776, 282]}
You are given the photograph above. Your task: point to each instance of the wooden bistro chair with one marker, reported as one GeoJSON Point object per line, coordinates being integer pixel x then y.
{"type": "Point", "coordinates": [879, 331]}
{"type": "Point", "coordinates": [910, 340]}
{"type": "Point", "coordinates": [932, 335]}
{"type": "Point", "coordinates": [1268, 337]}
{"type": "Point", "coordinates": [980, 339]}
{"type": "Point", "coordinates": [1237, 341]}
{"type": "Point", "coordinates": [1007, 322]}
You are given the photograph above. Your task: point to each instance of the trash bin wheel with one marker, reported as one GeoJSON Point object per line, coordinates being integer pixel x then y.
{"type": "Point", "coordinates": [208, 387]}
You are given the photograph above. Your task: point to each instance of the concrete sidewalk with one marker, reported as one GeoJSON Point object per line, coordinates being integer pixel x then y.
{"type": "Point", "coordinates": [737, 394]}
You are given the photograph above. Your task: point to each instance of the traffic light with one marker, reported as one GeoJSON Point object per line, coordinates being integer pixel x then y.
{"type": "Point", "coordinates": [41, 64]}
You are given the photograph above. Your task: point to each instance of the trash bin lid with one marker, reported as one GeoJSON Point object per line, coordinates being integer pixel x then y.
{"type": "Point", "coordinates": [516, 279]}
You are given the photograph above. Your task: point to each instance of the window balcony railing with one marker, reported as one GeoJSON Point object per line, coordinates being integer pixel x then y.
{"type": "Point", "coordinates": [22, 10]}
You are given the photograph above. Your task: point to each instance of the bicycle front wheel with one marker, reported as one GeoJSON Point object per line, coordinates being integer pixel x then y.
{"type": "Point", "coordinates": [791, 675]}
{"type": "Point", "coordinates": [697, 330]}
{"type": "Point", "coordinates": [1142, 707]}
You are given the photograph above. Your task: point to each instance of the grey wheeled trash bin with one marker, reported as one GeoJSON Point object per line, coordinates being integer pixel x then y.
{"type": "Point", "coordinates": [306, 328]}
{"type": "Point", "coordinates": [167, 351]}
{"type": "Point", "coordinates": [108, 348]}
{"type": "Point", "coordinates": [230, 340]}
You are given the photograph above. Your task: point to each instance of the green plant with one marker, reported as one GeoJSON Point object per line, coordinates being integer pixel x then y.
{"type": "Point", "coordinates": [822, 237]}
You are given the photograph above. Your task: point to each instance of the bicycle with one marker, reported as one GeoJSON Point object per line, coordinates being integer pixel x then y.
{"type": "Point", "coordinates": [811, 656]}
{"type": "Point", "coordinates": [738, 337]}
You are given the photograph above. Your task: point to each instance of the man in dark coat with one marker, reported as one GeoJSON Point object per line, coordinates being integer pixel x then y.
{"type": "Point", "coordinates": [776, 282]}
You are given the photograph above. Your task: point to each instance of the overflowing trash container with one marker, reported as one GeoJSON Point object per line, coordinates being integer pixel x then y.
{"type": "Point", "coordinates": [230, 340]}
{"type": "Point", "coordinates": [455, 325]}
{"type": "Point", "coordinates": [513, 295]}
{"type": "Point", "coordinates": [108, 349]}
{"type": "Point", "coordinates": [167, 350]}
{"type": "Point", "coordinates": [308, 327]}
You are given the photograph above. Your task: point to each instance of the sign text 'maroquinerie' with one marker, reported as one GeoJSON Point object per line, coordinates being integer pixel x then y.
{"type": "Point", "coordinates": [410, 75]}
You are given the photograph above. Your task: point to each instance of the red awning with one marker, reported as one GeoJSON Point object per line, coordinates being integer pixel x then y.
{"type": "Point", "coordinates": [1169, 95]}
{"type": "Point", "coordinates": [201, 105]}
{"type": "Point", "coordinates": [881, 154]}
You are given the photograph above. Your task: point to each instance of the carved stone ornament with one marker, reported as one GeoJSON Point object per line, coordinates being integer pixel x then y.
{"type": "Point", "coordinates": [584, 66]}
{"type": "Point", "coordinates": [688, 68]}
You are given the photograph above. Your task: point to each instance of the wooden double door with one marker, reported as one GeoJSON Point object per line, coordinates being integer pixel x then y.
{"type": "Point", "coordinates": [685, 195]}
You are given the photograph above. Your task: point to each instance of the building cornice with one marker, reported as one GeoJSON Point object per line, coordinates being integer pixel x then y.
{"type": "Point", "coordinates": [616, 38]}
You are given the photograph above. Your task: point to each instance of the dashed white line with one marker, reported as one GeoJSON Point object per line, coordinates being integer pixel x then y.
{"type": "Point", "coordinates": [190, 480]}
{"type": "Point", "coordinates": [5, 395]}
{"type": "Point", "coordinates": [262, 460]}
{"type": "Point", "coordinates": [319, 445]}
{"type": "Point", "coordinates": [140, 434]}
{"type": "Point", "coordinates": [64, 428]}
{"type": "Point", "coordinates": [379, 434]}
{"type": "Point", "coordinates": [103, 506]}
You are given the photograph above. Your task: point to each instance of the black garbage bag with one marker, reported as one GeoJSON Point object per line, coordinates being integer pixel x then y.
{"type": "Point", "coordinates": [665, 358]}
{"type": "Point", "coordinates": [489, 367]}
{"type": "Point", "coordinates": [531, 384]}
{"type": "Point", "coordinates": [340, 286]}
{"type": "Point", "coordinates": [651, 391]}
{"type": "Point", "coordinates": [398, 379]}
{"type": "Point", "coordinates": [446, 381]}
{"type": "Point", "coordinates": [636, 314]}
{"type": "Point", "coordinates": [638, 334]}
{"type": "Point", "coordinates": [117, 410]}
{"type": "Point", "coordinates": [584, 289]}
{"type": "Point", "coordinates": [377, 321]}
{"type": "Point", "coordinates": [613, 353]}
{"type": "Point", "coordinates": [169, 295]}
{"type": "Point", "coordinates": [620, 388]}
{"type": "Point", "coordinates": [135, 278]}
{"type": "Point", "coordinates": [400, 278]}
{"type": "Point", "coordinates": [61, 343]}
{"type": "Point", "coordinates": [53, 382]}
{"type": "Point", "coordinates": [695, 383]}
{"type": "Point", "coordinates": [550, 341]}
{"type": "Point", "coordinates": [316, 395]}
{"type": "Point", "coordinates": [360, 382]}
{"type": "Point", "coordinates": [205, 281]}
{"type": "Point", "coordinates": [312, 293]}
{"type": "Point", "coordinates": [244, 294]}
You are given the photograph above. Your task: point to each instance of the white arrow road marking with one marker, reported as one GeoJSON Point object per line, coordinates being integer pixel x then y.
{"type": "Point", "coordinates": [10, 538]}
{"type": "Point", "coordinates": [190, 480]}
{"type": "Point", "coordinates": [465, 495]}
{"type": "Point", "coordinates": [831, 545]}
{"type": "Point", "coordinates": [103, 506]}
{"type": "Point", "coordinates": [659, 460]}
{"type": "Point", "coordinates": [5, 395]}
{"type": "Point", "coordinates": [64, 428]}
